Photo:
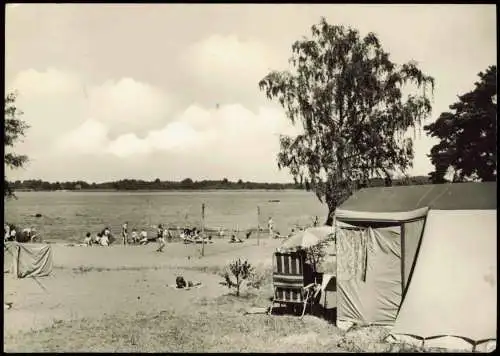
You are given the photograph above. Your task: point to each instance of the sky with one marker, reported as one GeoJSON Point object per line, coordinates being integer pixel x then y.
{"type": "Point", "coordinates": [170, 91]}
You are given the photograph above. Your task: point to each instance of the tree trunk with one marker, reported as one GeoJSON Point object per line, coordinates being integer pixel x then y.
{"type": "Point", "coordinates": [331, 214]}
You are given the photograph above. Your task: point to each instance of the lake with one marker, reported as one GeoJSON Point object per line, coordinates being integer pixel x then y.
{"type": "Point", "coordinates": [69, 215]}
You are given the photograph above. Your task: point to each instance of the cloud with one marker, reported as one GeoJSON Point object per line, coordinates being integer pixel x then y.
{"type": "Point", "coordinates": [128, 123]}
{"type": "Point", "coordinates": [229, 133]}
{"type": "Point", "coordinates": [128, 105]}
{"type": "Point", "coordinates": [50, 82]}
{"type": "Point", "coordinates": [88, 138]}
{"type": "Point", "coordinates": [128, 145]}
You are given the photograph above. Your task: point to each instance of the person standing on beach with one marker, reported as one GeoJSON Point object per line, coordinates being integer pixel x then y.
{"type": "Point", "coordinates": [270, 227]}
{"type": "Point", "coordinates": [125, 232]}
{"type": "Point", "coordinates": [161, 239]}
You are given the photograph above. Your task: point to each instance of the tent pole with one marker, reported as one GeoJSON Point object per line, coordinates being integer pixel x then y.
{"type": "Point", "coordinates": [403, 281]}
{"type": "Point", "coordinates": [203, 229]}
{"type": "Point", "coordinates": [258, 225]}
{"type": "Point", "coordinates": [17, 260]}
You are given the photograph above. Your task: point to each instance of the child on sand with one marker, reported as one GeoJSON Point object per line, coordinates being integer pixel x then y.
{"type": "Point", "coordinates": [144, 237]}
{"type": "Point", "coordinates": [87, 240]}
{"type": "Point", "coordinates": [135, 236]}
{"type": "Point", "coordinates": [104, 240]}
{"type": "Point", "coordinates": [96, 240]}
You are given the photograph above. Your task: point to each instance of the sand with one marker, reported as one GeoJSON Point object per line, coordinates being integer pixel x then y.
{"type": "Point", "coordinates": [90, 282]}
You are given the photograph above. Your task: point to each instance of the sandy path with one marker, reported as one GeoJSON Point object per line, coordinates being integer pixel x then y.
{"type": "Point", "coordinates": [135, 282]}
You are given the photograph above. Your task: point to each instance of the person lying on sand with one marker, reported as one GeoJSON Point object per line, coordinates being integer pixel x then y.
{"type": "Point", "coordinates": [235, 239]}
{"type": "Point", "coordinates": [181, 283]}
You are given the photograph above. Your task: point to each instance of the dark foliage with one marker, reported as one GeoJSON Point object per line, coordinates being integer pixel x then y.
{"type": "Point", "coordinates": [468, 136]}
{"type": "Point", "coordinates": [14, 131]}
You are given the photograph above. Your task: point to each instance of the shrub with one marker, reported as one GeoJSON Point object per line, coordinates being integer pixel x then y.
{"type": "Point", "coordinates": [240, 270]}
{"type": "Point", "coordinates": [316, 254]}
{"type": "Point", "coordinates": [259, 278]}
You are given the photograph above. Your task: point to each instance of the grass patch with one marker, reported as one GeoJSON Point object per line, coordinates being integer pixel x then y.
{"type": "Point", "coordinates": [211, 325]}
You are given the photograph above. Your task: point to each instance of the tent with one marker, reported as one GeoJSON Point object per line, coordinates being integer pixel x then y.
{"type": "Point", "coordinates": [27, 260]}
{"type": "Point", "coordinates": [421, 260]}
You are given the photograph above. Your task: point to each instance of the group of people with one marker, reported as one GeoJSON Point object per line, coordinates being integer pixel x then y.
{"type": "Point", "coordinates": [105, 238]}
{"type": "Point", "coordinates": [27, 234]}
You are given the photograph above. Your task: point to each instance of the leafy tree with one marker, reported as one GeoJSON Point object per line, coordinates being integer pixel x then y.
{"type": "Point", "coordinates": [468, 136]}
{"type": "Point", "coordinates": [348, 95]}
{"type": "Point", "coordinates": [15, 129]}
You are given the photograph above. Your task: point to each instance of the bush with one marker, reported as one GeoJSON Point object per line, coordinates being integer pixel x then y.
{"type": "Point", "coordinates": [259, 278]}
{"type": "Point", "coordinates": [240, 270]}
{"type": "Point", "coordinates": [317, 253]}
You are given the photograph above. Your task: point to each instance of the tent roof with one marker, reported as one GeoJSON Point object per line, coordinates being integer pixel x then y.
{"type": "Point", "coordinates": [457, 196]}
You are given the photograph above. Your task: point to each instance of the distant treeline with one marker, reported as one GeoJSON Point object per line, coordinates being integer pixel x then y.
{"type": "Point", "coordinates": [186, 184]}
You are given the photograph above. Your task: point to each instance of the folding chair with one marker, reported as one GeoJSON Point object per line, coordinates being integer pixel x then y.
{"type": "Point", "coordinates": [293, 282]}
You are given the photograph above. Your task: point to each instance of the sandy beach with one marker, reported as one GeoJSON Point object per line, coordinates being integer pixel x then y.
{"type": "Point", "coordinates": [90, 282]}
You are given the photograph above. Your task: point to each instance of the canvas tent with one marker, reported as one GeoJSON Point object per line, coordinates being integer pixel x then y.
{"type": "Point", "coordinates": [27, 260]}
{"type": "Point", "coordinates": [421, 260]}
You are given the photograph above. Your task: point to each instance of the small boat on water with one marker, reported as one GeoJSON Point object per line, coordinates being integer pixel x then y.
{"type": "Point", "coordinates": [274, 201]}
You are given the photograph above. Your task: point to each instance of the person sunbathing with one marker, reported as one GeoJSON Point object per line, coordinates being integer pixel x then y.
{"type": "Point", "coordinates": [181, 283]}
{"type": "Point", "coordinates": [235, 239]}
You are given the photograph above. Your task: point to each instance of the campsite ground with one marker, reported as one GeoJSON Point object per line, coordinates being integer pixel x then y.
{"type": "Point", "coordinates": [121, 299]}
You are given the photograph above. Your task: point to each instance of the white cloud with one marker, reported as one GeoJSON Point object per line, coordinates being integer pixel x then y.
{"type": "Point", "coordinates": [126, 123]}
{"type": "Point", "coordinates": [70, 120]}
{"type": "Point", "coordinates": [88, 138]}
{"type": "Point", "coordinates": [176, 136]}
{"type": "Point", "coordinates": [128, 105]}
{"type": "Point", "coordinates": [128, 145]}
{"type": "Point", "coordinates": [50, 82]}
